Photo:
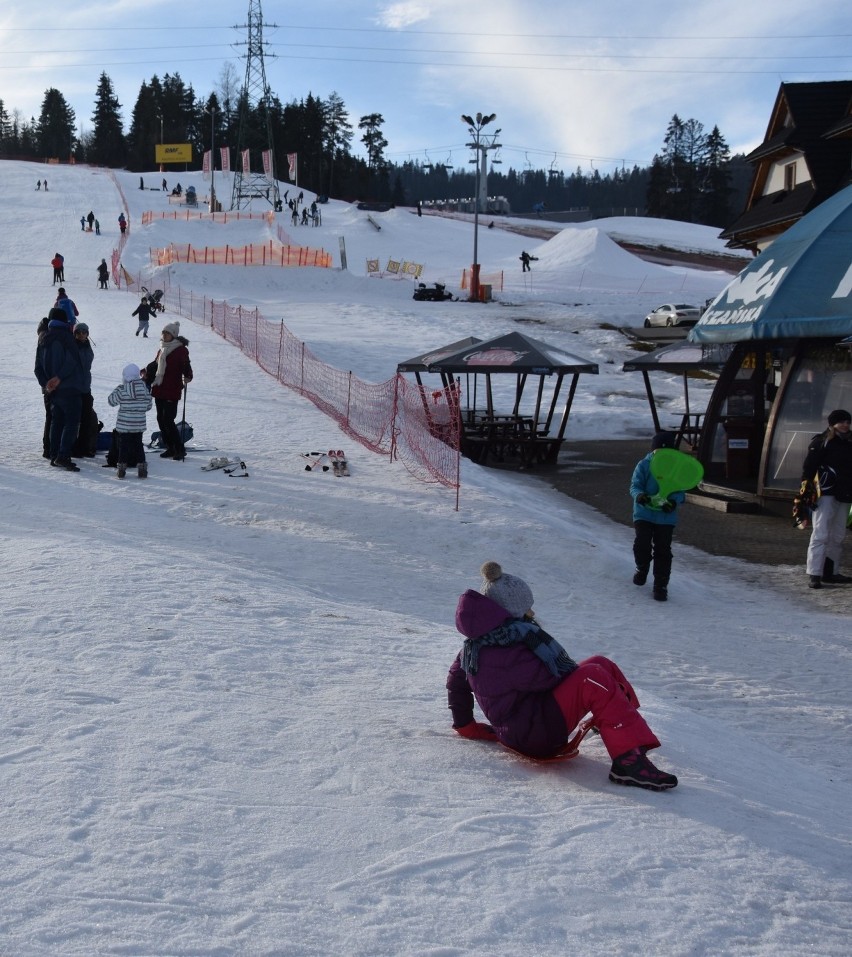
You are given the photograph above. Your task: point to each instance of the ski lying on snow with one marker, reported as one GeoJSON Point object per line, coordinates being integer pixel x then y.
{"type": "Point", "coordinates": [220, 463]}
{"type": "Point", "coordinates": [338, 461]}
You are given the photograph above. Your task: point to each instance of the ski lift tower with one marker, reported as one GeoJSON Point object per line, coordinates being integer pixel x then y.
{"type": "Point", "coordinates": [255, 123]}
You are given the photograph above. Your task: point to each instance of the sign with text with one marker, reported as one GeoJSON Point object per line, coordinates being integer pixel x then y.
{"type": "Point", "coordinates": [173, 153]}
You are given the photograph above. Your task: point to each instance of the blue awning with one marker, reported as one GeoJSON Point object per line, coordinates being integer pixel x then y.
{"type": "Point", "coordinates": [800, 286]}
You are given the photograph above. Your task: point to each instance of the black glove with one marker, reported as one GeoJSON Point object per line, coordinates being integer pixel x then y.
{"type": "Point", "coordinates": [643, 499]}
{"type": "Point", "coordinates": [668, 506]}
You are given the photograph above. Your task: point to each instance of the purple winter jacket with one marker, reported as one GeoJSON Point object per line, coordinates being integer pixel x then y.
{"type": "Point", "coordinates": [512, 685]}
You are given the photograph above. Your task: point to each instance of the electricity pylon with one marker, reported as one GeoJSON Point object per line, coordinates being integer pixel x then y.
{"type": "Point", "coordinates": [255, 122]}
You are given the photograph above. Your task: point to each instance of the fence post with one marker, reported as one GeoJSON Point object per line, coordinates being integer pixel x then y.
{"type": "Point", "coordinates": [280, 345]}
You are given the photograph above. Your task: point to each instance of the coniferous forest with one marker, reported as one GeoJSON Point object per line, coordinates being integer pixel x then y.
{"type": "Point", "coordinates": [692, 178]}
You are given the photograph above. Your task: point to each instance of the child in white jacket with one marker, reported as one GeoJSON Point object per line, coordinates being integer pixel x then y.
{"type": "Point", "coordinates": [133, 400]}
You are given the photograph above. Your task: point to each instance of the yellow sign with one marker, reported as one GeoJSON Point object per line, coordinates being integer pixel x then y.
{"type": "Point", "coordinates": [173, 153]}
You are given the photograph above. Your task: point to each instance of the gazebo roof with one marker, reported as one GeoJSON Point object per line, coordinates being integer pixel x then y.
{"type": "Point", "coordinates": [512, 352]}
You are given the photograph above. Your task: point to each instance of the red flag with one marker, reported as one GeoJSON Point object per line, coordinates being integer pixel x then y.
{"type": "Point", "coordinates": [246, 163]}
{"type": "Point", "coordinates": [292, 161]}
{"type": "Point", "coordinates": [205, 165]}
{"type": "Point", "coordinates": [266, 156]}
{"type": "Point", "coordinates": [225, 153]}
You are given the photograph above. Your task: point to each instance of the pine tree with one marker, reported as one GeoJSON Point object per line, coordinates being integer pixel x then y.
{"type": "Point", "coordinates": [55, 128]}
{"type": "Point", "coordinates": [108, 145]}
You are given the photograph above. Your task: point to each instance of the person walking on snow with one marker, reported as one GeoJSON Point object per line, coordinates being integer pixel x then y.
{"type": "Point", "coordinates": [654, 527]}
{"type": "Point", "coordinates": [533, 694]}
{"type": "Point", "coordinates": [58, 263]}
{"type": "Point", "coordinates": [70, 307]}
{"type": "Point", "coordinates": [144, 311]}
{"type": "Point", "coordinates": [103, 274]}
{"type": "Point", "coordinates": [829, 460]}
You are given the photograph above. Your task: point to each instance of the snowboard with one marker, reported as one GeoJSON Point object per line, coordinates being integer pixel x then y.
{"type": "Point", "coordinates": [675, 472]}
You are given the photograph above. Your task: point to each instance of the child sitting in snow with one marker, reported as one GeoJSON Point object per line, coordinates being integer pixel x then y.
{"type": "Point", "coordinates": [533, 694]}
{"type": "Point", "coordinates": [133, 400]}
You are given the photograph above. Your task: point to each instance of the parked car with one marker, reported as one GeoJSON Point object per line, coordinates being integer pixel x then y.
{"type": "Point", "coordinates": [678, 314]}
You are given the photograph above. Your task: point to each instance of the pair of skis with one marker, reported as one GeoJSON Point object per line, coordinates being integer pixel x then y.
{"type": "Point", "coordinates": [333, 460]}
{"type": "Point", "coordinates": [235, 468]}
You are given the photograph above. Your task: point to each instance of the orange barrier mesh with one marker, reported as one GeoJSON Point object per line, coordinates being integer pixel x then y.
{"type": "Point", "coordinates": [270, 253]}
{"type": "Point", "coordinates": [186, 215]}
{"type": "Point", "coordinates": [493, 279]}
{"type": "Point", "coordinates": [396, 417]}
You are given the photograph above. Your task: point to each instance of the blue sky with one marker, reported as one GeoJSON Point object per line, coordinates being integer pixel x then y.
{"type": "Point", "coordinates": [582, 84]}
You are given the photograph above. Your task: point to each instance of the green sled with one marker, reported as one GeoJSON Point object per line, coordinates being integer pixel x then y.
{"type": "Point", "coordinates": [675, 472]}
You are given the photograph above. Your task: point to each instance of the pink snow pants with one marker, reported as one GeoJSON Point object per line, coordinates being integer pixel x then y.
{"type": "Point", "coordinates": [599, 686]}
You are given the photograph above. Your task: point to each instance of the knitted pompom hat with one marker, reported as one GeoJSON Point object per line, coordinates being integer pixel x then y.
{"type": "Point", "coordinates": [173, 328]}
{"type": "Point", "coordinates": [509, 591]}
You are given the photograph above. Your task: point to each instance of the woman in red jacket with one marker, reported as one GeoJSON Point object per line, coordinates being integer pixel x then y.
{"type": "Point", "coordinates": [167, 375]}
{"type": "Point", "coordinates": [533, 694]}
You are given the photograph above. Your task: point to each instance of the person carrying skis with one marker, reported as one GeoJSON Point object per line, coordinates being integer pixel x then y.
{"type": "Point", "coordinates": [534, 694]}
{"type": "Point", "coordinates": [653, 527]}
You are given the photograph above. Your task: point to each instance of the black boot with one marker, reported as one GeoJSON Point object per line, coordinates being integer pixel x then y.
{"type": "Point", "coordinates": [830, 577]}
{"type": "Point", "coordinates": [641, 575]}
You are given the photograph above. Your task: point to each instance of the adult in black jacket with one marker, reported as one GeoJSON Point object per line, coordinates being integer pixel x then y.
{"type": "Point", "coordinates": [60, 372]}
{"type": "Point", "coordinates": [829, 459]}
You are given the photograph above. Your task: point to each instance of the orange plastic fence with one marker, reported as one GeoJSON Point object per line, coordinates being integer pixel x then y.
{"type": "Point", "coordinates": [395, 417]}
{"type": "Point", "coordinates": [231, 216]}
{"type": "Point", "coordinates": [270, 253]}
{"type": "Point", "coordinates": [493, 279]}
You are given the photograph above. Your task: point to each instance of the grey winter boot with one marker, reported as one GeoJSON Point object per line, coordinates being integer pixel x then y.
{"type": "Point", "coordinates": [122, 470]}
{"type": "Point", "coordinates": [143, 470]}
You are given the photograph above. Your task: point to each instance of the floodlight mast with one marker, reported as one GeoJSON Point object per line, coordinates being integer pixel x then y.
{"type": "Point", "coordinates": [481, 145]}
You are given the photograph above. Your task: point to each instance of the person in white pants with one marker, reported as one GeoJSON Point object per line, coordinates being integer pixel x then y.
{"type": "Point", "coordinates": [829, 459]}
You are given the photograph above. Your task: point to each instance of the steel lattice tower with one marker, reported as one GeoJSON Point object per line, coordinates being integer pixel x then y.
{"type": "Point", "coordinates": [255, 121]}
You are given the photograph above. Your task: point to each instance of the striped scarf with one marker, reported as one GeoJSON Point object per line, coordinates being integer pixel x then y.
{"type": "Point", "coordinates": [544, 646]}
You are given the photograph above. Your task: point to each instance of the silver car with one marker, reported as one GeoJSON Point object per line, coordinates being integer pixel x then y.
{"type": "Point", "coordinates": [677, 314]}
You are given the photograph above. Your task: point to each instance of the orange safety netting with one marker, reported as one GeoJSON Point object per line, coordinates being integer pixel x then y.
{"type": "Point", "coordinates": [229, 216]}
{"type": "Point", "coordinates": [395, 417]}
{"type": "Point", "coordinates": [493, 279]}
{"type": "Point", "coordinates": [271, 253]}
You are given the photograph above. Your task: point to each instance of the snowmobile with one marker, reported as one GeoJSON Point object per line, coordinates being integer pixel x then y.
{"type": "Point", "coordinates": [439, 294]}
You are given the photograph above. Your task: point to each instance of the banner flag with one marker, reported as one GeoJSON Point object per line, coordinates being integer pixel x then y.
{"type": "Point", "coordinates": [246, 163]}
{"type": "Point", "coordinates": [205, 165]}
{"type": "Point", "coordinates": [225, 153]}
{"type": "Point", "coordinates": [266, 156]}
{"type": "Point", "coordinates": [292, 162]}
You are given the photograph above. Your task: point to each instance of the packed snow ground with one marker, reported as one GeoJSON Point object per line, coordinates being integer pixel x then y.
{"type": "Point", "coordinates": [225, 727]}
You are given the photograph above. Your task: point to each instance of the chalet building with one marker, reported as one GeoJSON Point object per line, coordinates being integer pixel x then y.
{"type": "Point", "coordinates": [805, 157]}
